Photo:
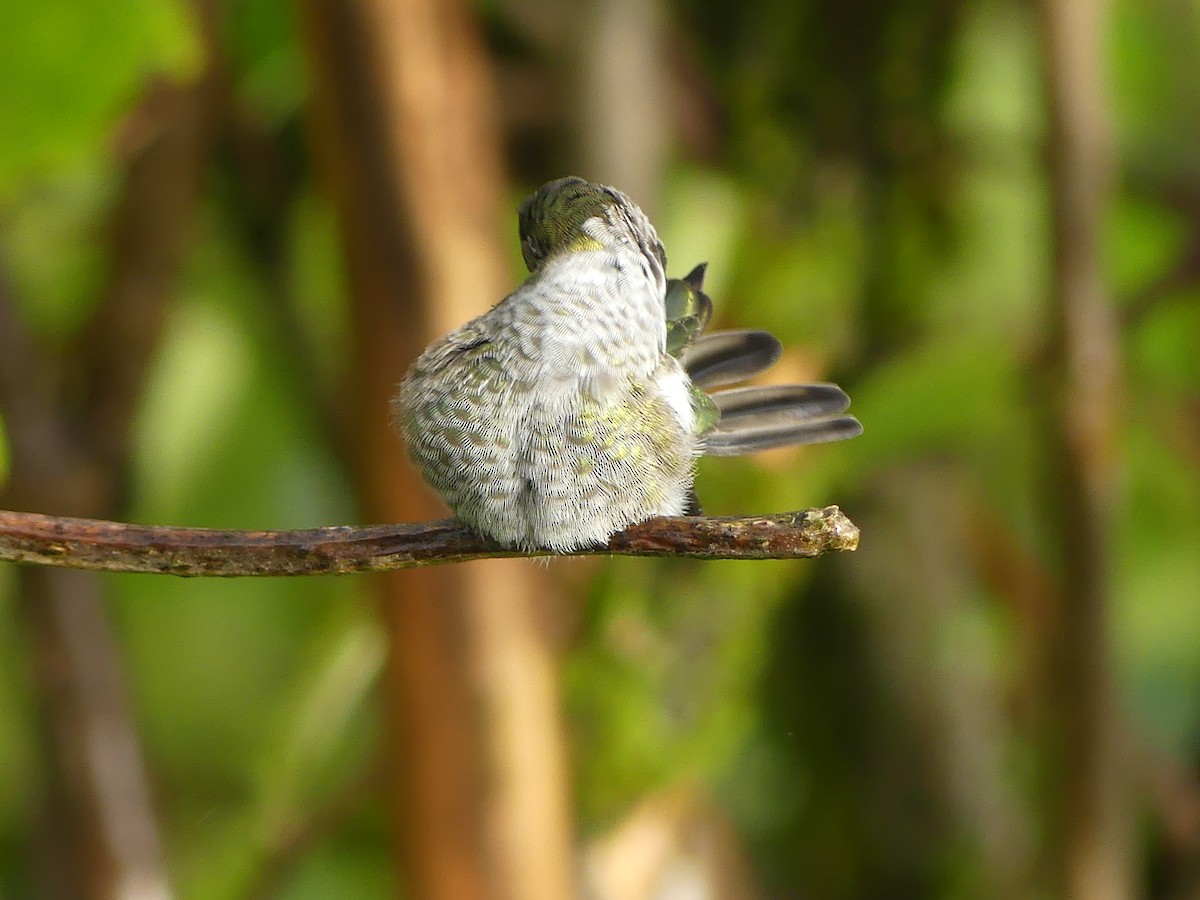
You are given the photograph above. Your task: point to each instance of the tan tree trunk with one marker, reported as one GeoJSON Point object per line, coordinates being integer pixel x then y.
{"type": "Point", "coordinates": [1090, 825]}
{"type": "Point", "coordinates": [410, 152]}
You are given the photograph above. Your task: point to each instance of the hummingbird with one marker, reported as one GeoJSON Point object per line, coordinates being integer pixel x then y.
{"type": "Point", "coordinates": [578, 405]}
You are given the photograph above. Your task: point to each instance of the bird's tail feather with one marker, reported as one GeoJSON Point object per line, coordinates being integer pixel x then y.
{"type": "Point", "coordinates": [767, 432]}
{"type": "Point", "coordinates": [727, 357]}
{"type": "Point", "coordinates": [750, 418]}
{"type": "Point", "coordinates": [800, 401]}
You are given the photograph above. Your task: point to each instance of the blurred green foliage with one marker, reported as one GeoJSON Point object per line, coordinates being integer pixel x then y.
{"type": "Point", "coordinates": [879, 201]}
{"type": "Point", "coordinates": [72, 69]}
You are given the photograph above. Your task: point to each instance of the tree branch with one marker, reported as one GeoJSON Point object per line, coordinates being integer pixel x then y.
{"type": "Point", "coordinates": [342, 549]}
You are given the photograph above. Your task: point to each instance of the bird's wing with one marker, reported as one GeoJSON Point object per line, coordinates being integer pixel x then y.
{"type": "Point", "coordinates": [468, 339]}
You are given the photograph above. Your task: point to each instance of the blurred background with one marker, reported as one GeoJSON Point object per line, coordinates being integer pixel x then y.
{"type": "Point", "coordinates": [226, 228]}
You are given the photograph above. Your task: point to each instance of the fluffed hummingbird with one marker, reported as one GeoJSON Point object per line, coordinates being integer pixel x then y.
{"type": "Point", "coordinates": [576, 406]}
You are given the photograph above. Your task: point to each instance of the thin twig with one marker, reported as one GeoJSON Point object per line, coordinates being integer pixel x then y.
{"type": "Point", "coordinates": [342, 549]}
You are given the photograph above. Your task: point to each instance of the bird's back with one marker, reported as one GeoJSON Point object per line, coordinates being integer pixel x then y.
{"type": "Point", "coordinates": [554, 420]}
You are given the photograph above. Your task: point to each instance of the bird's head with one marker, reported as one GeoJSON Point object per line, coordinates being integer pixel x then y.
{"type": "Point", "coordinates": [571, 215]}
